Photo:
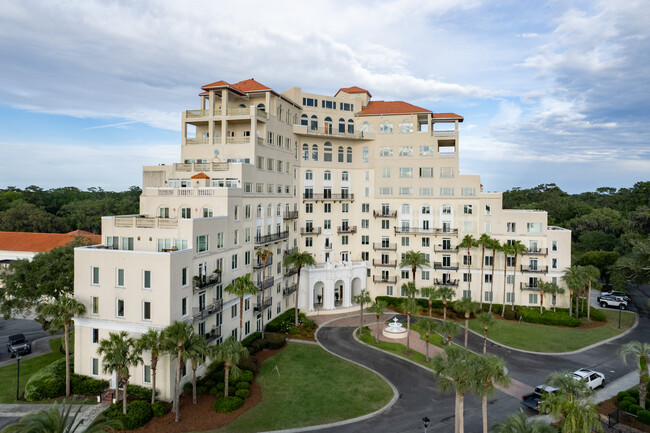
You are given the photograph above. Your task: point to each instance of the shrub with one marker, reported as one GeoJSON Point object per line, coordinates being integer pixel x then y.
{"type": "Point", "coordinates": [597, 315]}
{"type": "Point", "coordinates": [643, 416]}
{"type": "Point", "coordinates": [231, 390]}
{"type": "Point", "coordinates": [243, 393]}
{"type": "Point", "coordinates": [248, 363]}
{"type": "Point", "coordinates": [282, 323]}
{"type": "Point", "coordinates": [221, 386]}
{"type": "Point", "coordinates": [209, 383]}
{"type": "Point", "coordinates": [202, 389]}
{"type": "Point", "coordinates": [85, 385]}
{"type": "Point", "coordinates": [243, 385]}
{"type": "Point", "coordinates": [47, 383]}
{"type": "Point", "coordinates": [634, 408]}
{"type": "Point", "coordinates": [634, 393]}
{"type": "Point", "coordinates": [275, 341]}
{"type": "Point", "coordinates": [246, 342]}
{"type": "Point", "coordinates": [258, 345]}
{"type": "Point", "coordinates": [138, 413]}
{"type": "Point", "coordinates": [159, 409]}
{"type": "Point", "coordinates": [228, 404]}
{"type": "Point", "coordinates": [294, 330]}
{"type": "Point", "coordinates": [246, 376]}
{"type": "Point", "coordinates": [621, 395]}
{"type": "Point", "coordinates": [631, 399]}
{"type": "Point", "coordinates": [510, 315]}
{"type": "Point", "coordinates": [624, 405]}
{"type": "Point", "coordinates": [214, 391]}
{"type": "Point", "coordinates": [187, 387]}
{"type": "Point", "coordinates": [548, 317]}
{"type": "Point", "coordinates": [219, 376]}
{"type": "Point", "coordinates": [137, 392]}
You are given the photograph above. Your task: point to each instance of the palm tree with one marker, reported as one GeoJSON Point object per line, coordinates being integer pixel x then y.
{"type": "Point", "coordinates": [495, 245]}
{"type": "Point", "coordinates": [410, 307]}
{"type": "Point", "coordinates": [414, 260]}
{"type": "Point", "coordinates": [195, 352]}
{"type": "Point", "coordinates": [506, 249]}
{"type": "Point", "coordinates": [564, 381]}
{"type": "Point", "coordinates": [431, 294]}
{"type": "Point", "coordinates": [576, 415]}
{"type": "Point", "coordinates": [640, 352]}
{"type": "Point", "coordinates": [553, 289]}
{"type": "Point", "coordinates": [573, 278]}
{"type": "Point", "coordinates": [361, 298]}
{"type": "Point", "coordinates": [489, 370]}
{"type": "Point", "coordinates": [63, 310]}
{"type": "Point", "coordinates": [446, 294]}
{"type": "Point", "coordinates": [175, 338]}
{"type": "Point", "coordinates": [520, 423]}
{"type": "Point", "coordinates": [468, 307]}
{"type": "Point", "coordinates": [152, 340]}
{"type": "Point", "coordinates": [455, 373]}
{"type": "Point", "coordinates": [57, 419]}
{"type": "Point", "coordinates": [119, 352]}
{"type": "Point", "coordinates": [240, 287]}
{"type": "Point", "coordinates": [543, 288]}
{"type": "Point", "coordinates": [298, 260]}
{"type": "Point", "coordinates": [517, 249]}
{"type": "Point", "coordinates": [448, 330]}
{"type": "Point", "coordinates": [428, 325]}
{"type": "Point", "coordinates": [486, 319]}
{"type": "Point", "coordinates": [468, 242]}
{"type": "Point", "coordinates": [592, 274]}
{"type": "Point", "coordinates": [483, 241]}
{"type": "Point", "coordinates": [410, 289]}
{"type": "Point", "coordinates": [262, 256]}
{"type": "Point", "coordinates": [230, 352]}
{"type": "Point", "coordinates": [378, 308]}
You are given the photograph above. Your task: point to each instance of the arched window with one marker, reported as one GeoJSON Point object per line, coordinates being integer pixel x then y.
{"type": "Point", "coordinates": [304, 120]}
{"type": "Point", "coordinates": [349, 154]}
{"type": "Point", "coordinates": [314, 123]}
{"type": "Point", "coordinates": [364, 156]}
{"type": "Point", "coordinates": [305, 152]}
{"type": "Point", "coordinates": [367, 127]}
{"type": "Point", "coordinates": [342, 125]}
{"type": "Point", "coordinates": [261, 106]}
{"type": "Point", "coordinates": [406, 127]}
{"type": "Point", "coordinates": [309, 175]}
{"type": "Point", "coordinates": [259, 211]}
{"type": "Point", "coordinates": [327, 175]}
{"type": "Point", "coordinates": [327, 152]}
{"type": "Point", "coordinates": [446, 209]}
{"type": "Point", "coordinates": [386, 127]}
{"type": "Point", "coordinates": [340, 153]}
{"type": "Point", "coordinates": [425, 209]}
{"type": "Point", "coordinates": [345, 176]}
{"type": "Point", "coordinates": [350, 126]}
{"type": "Point", "coordinates": [242, 106]}
{"type": "Point", "coordinates": [328, 125]}
{"type": "Point", "coordinates": [406, 209]}
{"type": "Point", "coordinates": [314, 152]}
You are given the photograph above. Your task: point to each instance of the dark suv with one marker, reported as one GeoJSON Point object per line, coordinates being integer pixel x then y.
{"type": "Point", "coordinates": [18, 345]}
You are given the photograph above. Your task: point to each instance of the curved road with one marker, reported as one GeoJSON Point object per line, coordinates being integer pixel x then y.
{"type": "Point", "coordinates": [418, 394]}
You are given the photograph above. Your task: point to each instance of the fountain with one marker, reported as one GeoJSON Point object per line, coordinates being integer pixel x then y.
{"type": "Point", "coordinates": [394, 330]}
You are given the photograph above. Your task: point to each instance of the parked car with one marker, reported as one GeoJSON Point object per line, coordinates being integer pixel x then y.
{"type": "Point", "coordinates": [18, 345]}
{"type": "Point", "coordinates": [534, 399]}
{"type": "Point", "coordinates": [593, 379]}
{"type": "Point", "coordinates": [615, 293]}
{"type": "Point", "coordinates": [613, 301]}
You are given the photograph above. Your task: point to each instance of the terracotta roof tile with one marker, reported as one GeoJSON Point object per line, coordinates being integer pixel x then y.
{"type": "Point", "coordinates": [200, 176]}
{"type": "Point", "coordinates": [448, 116]}
{"type": "Point", "coordinates": [353, 89]}
{"type": "Point", "coordinates": [250, 85]}
{"type": "Point", "coordinates": [376, 108]}
{"type": "Point", "coordinates": [216, 84]}
{"type": "Point", "coordinates": [41, 242]}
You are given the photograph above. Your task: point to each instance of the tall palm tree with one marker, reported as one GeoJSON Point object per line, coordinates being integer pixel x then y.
{"type": "Point", "coordinates": [152, 340]}
{"type": "Point", "coordinates": [483, 241]}
{"type": "Point", "coordinates": [506, 249]}
{"type": "Point", "coordinates": [520, 423]}
{"type": "Point", "coordinates": [175, 338]}
{"type": "Point", "coordinates": [448, 330]}
{"type": "Point", "coordinates": [446, 294]}
{"type": "Point", "coordinates": [119, 353]}
{"type": "Point", "coordinates": [486, 319]}
{"type": "Point", "coordinates": [455, 373]}
{"type": "Point", "coordinates": [230, 352]}
{"type": "Point", "coordinates": [495, 245]}
{"type": "Point", "coordinates": [543, 289]}
{"type": "Point", "coordinates": [378, 308]}
{"type": "Point", "coordinates": [592, 274]}
{"type": "Point", "coordinates": [410, 308]}
{"type": "Point", "coordinates": [573, 277]}
{"type": "Point", "coordinates": [298, 260]}
{"type": "Point", "coordinates": [428, 325]}
{"type": "Point", "coordinates": [575, 414]}
{"type": "Point", "coordinates": [553, 289]}
{"type": "Point", "coordinates": [57, 419]}
{"type": "Point", "coordinates": [468, 242]}
{"type": "Point", "coordinates": [640, 352]}
{"type": "Point", "coordinates": [195, 352]}
{"type": "Point", "coordinates": [468, 307]}
{"type": "Point", "coordinates": [410, 289]}
{"type": "Point", "coordinates": [362, 298]}
{"type": "Point", "coordinates": [564, 381]}
{"type": "Point", "coordinates": [62, 311]}
{"type": "Point", "coordinates": [262, 256]}
{"type": "Point", "coordinates": [240, 287]}
{"type": "Point", "coordinates": [517, 249]}
{"type": "Point", "coordinates": [431, 294]}
{"type": "Point", "coordinates": [489, 370]}
{"type": "Point", "coordinates": [414, 260]}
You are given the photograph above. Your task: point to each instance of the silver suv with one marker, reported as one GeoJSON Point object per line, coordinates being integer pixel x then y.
{"type": "Point", "coordinates": [613, 301]}
{"type": "Point", "coordinates": [18, 345]}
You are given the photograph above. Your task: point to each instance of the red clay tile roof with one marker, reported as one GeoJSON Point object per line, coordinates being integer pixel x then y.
{"type": "Point", "coordinates": [41, 242]}
{"type": "Point", "coordinates": [452, 116]}
{"type": "Point", "coordinates": [216, 84]}
{"type": "Point", "coordinates": [353, 89]}
{"type": "Point", "coordinates": [200, 176]}
{"type": "Point", "coordinates": [250, 85]}
{"type": "Point", "coordinates": [376, 108]}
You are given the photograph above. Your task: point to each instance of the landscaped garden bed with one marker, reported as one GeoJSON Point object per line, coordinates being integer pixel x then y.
{"type": "Point", "coordinates": [629, 412]}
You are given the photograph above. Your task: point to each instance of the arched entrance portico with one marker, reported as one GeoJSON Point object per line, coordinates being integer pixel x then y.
{"type": "Point", "coordinates": [333, 282]}
{"type": "Point", "coordinates": [318, 295]}
{"type": "Point", "coordinates": [339, 293]}
{"type": "Point", "coordinates": [356, 287]}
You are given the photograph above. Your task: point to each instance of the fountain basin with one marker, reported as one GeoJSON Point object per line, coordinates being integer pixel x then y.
{"type": "Point", "coordinates": [394, 330]}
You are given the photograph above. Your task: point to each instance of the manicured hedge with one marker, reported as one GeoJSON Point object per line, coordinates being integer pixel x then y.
{"type": "Point", "coordinates": [137, 392]}
{"type": "Point", "coordinates": [228, 404]}
{"type": "Point", "coordinates": [243, 385]}
{"type": "Point", "coordinates": [548, 317]}
{"type": "Point", "coordinates": [643, 416]}
{"type": "Point", "coordinates": [242, 393]}
{"type": "Point", "coordinates": [624, 405]}
{"type": "Point", "coordinates": [138, 413]}
{"type": "Point", "coordinates": [634, 408]}
{"type": "Point", "coordinates": [47, 382]}
{"type": "Point", "coordinates": [246, 342]}
{"type": "Point", "coordinates": [285, 321]}
{"type": "Point", "coordinates": [159, 409]}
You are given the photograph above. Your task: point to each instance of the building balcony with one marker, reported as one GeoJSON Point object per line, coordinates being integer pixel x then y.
{"type": "Point", "coordinates": [273, 237]}
{"type": "Point", "coordinates": [211, 309]}
{"type": "Point", "coordinates": [265, 284]}
{"type": "Point", "coordinates": [208, 191]}
{"type": "Point", "coordinates": [290, 251]}
{"type": "Point", "coordinates": [328, 197]}
{"type": "Point", "coordinates": [141, 221]}
{"type": "Point", "coordinates": [331, 131]}
{"type": "Point", "coordinates": [534, 269]}
{"type": "Point", "coordinates": [384, 246]}
{"type": "Point", "coordinates": [260, 264]}
{"type": "Point", "coordinates": [289, 290]}
{"type": "Point", "coordinates": [382, 214]}
{"type": "Point", "coordinates": [449, 283]}
{"type": "Point", "coordinates": [205, 282]}
{"type": "Point", "coordinates": [310, 230]}
{"type": "Point", "coordinates": [527, 286]}
{"type": "Point", "coordinates": [213, 334]}
{"type": "Point", "coordinates": [388, 264]}
{"type": "Point", "coordinates": [425, 231]}
{"type": "Point", "coordinates": [537, 252]}
{"type": "Point", "coordinates": [267, 304]}
{"type": "Point", "coordinates": [290, 271]}
{"type": "Point", "coordinates": [441, 249]}
{"type": "Point", "coordinates": [291, 215]}
{"type": "Point", "coordinates": [202, 166]}
{"type": "Point", "coordinates": [235, 112]}
{"type": "Point", "coordinates": [387, 280]}
{"type": "Point", "coordinates": [346, 229]}
{"type": "Point", "coordinates": [445, 267]}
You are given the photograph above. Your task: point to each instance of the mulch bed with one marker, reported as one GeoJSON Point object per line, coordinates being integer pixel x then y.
{"type": "Point", "coordinates": [608, 406]}
{"type": "Point", "coordinates": [201, 416]}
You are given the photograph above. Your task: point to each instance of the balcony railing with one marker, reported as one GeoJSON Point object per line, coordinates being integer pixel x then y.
{"type": "Point", "coordinates": [425, 231]}
{"type": "Point", "coordinates": [290, 251]}
{"type": "Point", "coordinates": [213, 334]}
{"type": "Point", "coordinates": [213, 308]}
{"type": "Point", "coordinates": [346, 229]}
{"type": "Point", "coordinates": [535, 269]}
{"type": "Point", "coordinates": [310, 230]}
{"type": "Point", "coordinates": [441, 249]}
{"type": "Point", "coordinates": [384, 246]}
{"type": "Point", "coordinates": [441, 266]}
{"type": "Point", "coordinates": [527, 286]}
{"type": "Point", "coordinates": [450, 283]}
{"type": "Point", "coordinates": [291, 215]}
{"type": "Point", "coordinates": [388, 264]}
{"type": "Point", "coordinates": [140, 221]}
{"type": "Point", "coordinates": [332, 131]}
{"type": "Point", "coordinates": [537, 252]}
{"type": "Point", "coordinates": [202, 166]}
{"type": "Point", "coordinates": [262, 264]}
{"type": "Point", "coordinates": [207, 281]}
{"type": "Point", "coordinates": [382, 214]}
{"type": "Point", "coordinates": [273, 237]}
{"type": "Point", "coordinates": [265, 284]}
{"type": "Point", "coordinates": [290, 271]}
{"type": "Point", "coordinates": [326, 197]}
{"type": "Point", "coordinates": [387, 280]}
{"type": "Point", "coordinates": [289, 290]}
{"type": "Point", "coordinates": [267, 304]}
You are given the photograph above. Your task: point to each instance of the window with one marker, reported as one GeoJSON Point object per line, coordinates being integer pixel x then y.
{"type": "Point", "coordinates": [406, 151]}
{"type": "Point", "coordinates": [446, 191]}
{"type": "Point", "coordinates": [426, 191]}
{"type": "Point", "coordinates": [184, 277]}
{"type": "Point", "coordinates": [468, 191]}
{"type": "Point", "coordinates": [313, 124]}
{"type": "Point", "coordinates": [405, 127]}
{"type": "Point", "coordinates": [389, 290]}
{"type": "Point", "coordinates": [94, 305]}
{"type": "Point", "coordinates": [385, 224]}
{"type": "Point", "coordinates": [468, 226]}
{"type": "Point", "coordinates": [510, 261]}
{"type": "Point", "coordinates": [305, 150]}
{"type": "Point", "coordinates": [487, 227]}
{"type": "Point", "coordinates": [314, 152]}
{"type": "Point", "coordinates": [385, 190]}
{"type": "Point", "coordinates": [365, 207]}
{"type": "Point", "coordinates": [247, 327]}
{"type": "Point", "coordinates": [365, 240]}
{"type": "Point", "coordinates": [426, 171]}
{"type": "Point", "coordinates": [95, 336]}
{"type": "Point", "coordinates": [233, 261]}
{"type": "Point", "coordinates": [146, 310]}
{"type": "Point", "coordinates": [385, 151]}
{"type": "Point", "coordinates": [327, 152]}
{"type": "Point", "coordinates": [184, 307]}
{"type": "Point", "coordinates": [426, 242]}
{"type": "Point", "coordinates": [119, 308]}
{"type": "Point", "coordinates": [405, 241]}
{"type": "Point", "coordinates": [345, 207]}
{"type": "Point", "coordinates": [94, 276]}
{"type": "Point", "coordinates": [146, 279]}
{"type": "Point", "coordinates": [365, 256]}
{"type": "Point", "coordinates": [163, 212]}
{"type": "Point", "coordinates": [467, 294]}
{"type": "Point", "coordinates": [341, 154]}
{"type": "Point", "coordinates": [247, 304]}
{"type": "Point", "coordinates": [94, 366]}
{"type": "Point", "coordinates": [405, 191]}
{"type": "Point", "coordinates": [186, 212]}
{"type": "Point", "coordinates": [488, 209]}
{"type": "Point", "coordinates": [127, 243]}
{"type": "Point", "coordinates": [511, 227]}
{"type": "Point", "coordinates": [345, 176]}
{"type": "Point", "coordinates": [554, 263]}
{"type": "Point", "coordinates": [532, 298]}
{"type": "Point", "coordinates": [488, 296]}
{"type": "Point", "coordinates": [426, 151]}
{"type": "Point", "coordinates": [467, 260]}
{"type": "Point", "coordinates": [425, 275]}
{"type": "Point", "coordinates": [488, 278]}
{"type": "Point", "coordinates": [348, 155]}
{"type": "Point", "coordinates": [386, 128]}
{"type": "Point", "coordinates": [554, 246]}
{"type": "Point", "coordinates": [327, 175]}
{"type": "Point", "coordinates": [385, 172]}
{"type": "Point", "coordinates": [309, 207]}
{"type": "Point", "coordinates": [405, 275]}
{"type": "Point", "coordinates": [446, 172]}
{"type": "Point", "coordinates": [467, 277]}
{"type": "Point", "coordinates": [309, 241]}
{"type": "Point", "coordinates": [327, 224]}
{"type": "Point", "coordinates": [510, 297]}
{"type": "Point", "coordinates": [364, 154]}
{"type": "Point", "coordinates": [534, 227]}
{"type": "Point", "coordinates": [233, 311]}
{"type": "Point", "coordinates": [344, 240]}
{"type": "Point", "coordinates": [119, 281]}
{"type": "Point", "coordinates": [365, 224]}
{"type": "Point", "coordinates": [201, 243]}
{"type": "Point", "coordinates": [247, 258]}
{"type": "Point", "coordinates": [406, 172]}
{"type": "Point", "coordinates": [488, 260]}
{"type": "Point", "coordinates": [146, 374]}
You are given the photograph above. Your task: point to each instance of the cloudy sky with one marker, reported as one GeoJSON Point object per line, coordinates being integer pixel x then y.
{"type": "Point", "coordinates": [551, 91]}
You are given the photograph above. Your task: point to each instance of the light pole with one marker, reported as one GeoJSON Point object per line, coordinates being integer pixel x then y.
{"type": "Point", "coordinates": [426, 421]}
{"type": "Point", "coordinates": [17, 376]}
{"type": "Point", "coordinates": [620, 308]}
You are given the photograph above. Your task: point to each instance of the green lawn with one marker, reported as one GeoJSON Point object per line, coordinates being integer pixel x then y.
{"type": "Point", "coordinates": [309, 387]}
{"type": "Point", "coordinates": [399, 349]}
{"type": "Point", "coordinates": [27, 368]}
{"type": "Point", "coordinates": [542, 338]}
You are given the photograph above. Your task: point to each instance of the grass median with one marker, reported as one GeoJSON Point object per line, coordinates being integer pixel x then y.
{"type": "Point", "coordinates": [546, 338]}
